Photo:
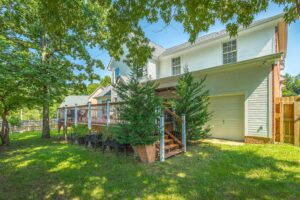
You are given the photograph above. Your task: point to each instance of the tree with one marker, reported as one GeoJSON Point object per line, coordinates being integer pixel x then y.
{"type": "Point", "coordinates": [291, 85]}
{"type": "Point", "coordinates": [14, 89]}
{"type": "Point", "coordinates": [139, 111]}
{"type": "Point", "coordinates": [192, 100]}
{"type": "Point", "coordinates": [58, 42]}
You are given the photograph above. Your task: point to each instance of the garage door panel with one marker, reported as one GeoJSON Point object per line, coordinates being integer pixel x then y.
{"type": "Point", "coordinates": [228, 117]}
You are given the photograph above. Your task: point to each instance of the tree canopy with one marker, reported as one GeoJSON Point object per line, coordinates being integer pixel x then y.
{"type": "Point", "coordinates": [103, 83]}
{"type": "Point", "coordinates": [291, 85]}
{"type": "Point", "coordinates": [15, 88]}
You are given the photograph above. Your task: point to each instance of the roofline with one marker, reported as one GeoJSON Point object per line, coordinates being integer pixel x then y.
{"type": "Point", "coordinates": [99, 87]}
{"type": "Point", "coordinates": [254, 24]}
{"type": "Point", "coordinates": [271, 57]}
{"type": "Point", "coordinates": [110, 61]}
{"type": "Point", "coordinates": [98, 96]}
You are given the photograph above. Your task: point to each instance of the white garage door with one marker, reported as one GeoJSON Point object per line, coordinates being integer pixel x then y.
{"type": "Point", "coordinates": [227, 121]}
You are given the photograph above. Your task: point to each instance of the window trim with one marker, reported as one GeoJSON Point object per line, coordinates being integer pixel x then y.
{"type": "Point", "coordinates": [232, 51]}
{"type": "Point", "coordinates": [172, 67]}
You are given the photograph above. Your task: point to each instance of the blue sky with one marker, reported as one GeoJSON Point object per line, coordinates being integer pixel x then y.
{"type": "Point", "coordinates": [174, 35]}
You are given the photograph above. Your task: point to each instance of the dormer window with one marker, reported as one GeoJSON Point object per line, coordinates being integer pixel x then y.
{"type": "Point", "coordinates": [176, 66]}
{"type": "Point", "coordinates": [229, 52]}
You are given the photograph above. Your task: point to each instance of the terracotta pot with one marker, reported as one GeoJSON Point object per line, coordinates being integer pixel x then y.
{"type": "Point", "coordinates": [146, 152]}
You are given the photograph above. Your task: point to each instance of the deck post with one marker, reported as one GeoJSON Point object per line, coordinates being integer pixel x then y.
{"type": "Point", "coordinates": [76, 115]}
{"type": "Point", "coordinates": [107, 113]}
{"type": "Point", "coordinates": [89, 116]}
{"type": "Point", "coordinates": [183, 133]}
{"type": "Point", "coordinates": [162, 138]}
{"type": "Point", "coordinates": [65, 122]}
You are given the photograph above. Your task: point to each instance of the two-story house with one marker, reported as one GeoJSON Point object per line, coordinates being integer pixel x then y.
{"type": "Point", "coordinates": [243, 76]}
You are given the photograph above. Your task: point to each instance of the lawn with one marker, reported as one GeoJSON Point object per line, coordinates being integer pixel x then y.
{"type": "Point", "coordinates": [32, 168]}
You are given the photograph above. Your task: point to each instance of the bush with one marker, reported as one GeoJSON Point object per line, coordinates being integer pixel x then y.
{"type": "Point", "coordinates": [80, 130]}
{"type": "Point", "coordinates": [110, 133]}
{"type": "Point", "coordinates": [15, 121]}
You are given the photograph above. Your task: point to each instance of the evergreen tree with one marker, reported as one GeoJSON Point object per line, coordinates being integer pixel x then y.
{"type": "Point", "coordinates": [138, 114]}
{"type": "Point", "coordinates": [193, 101]}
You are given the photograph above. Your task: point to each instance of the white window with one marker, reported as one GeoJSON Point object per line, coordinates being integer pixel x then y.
{"type": "Point", "coordinates": [176, 66]}
{"type": "Point", "coordinates": [229, 52]}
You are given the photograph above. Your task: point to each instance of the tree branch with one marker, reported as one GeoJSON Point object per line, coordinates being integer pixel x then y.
{"type": "Point", "coordinates": [298, 6]}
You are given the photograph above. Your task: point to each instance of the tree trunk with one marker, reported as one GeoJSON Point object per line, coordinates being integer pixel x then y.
{"type": "Point", "coordinates": [46, 126]}
{"type": "Point", "coordinates": [5, 129]}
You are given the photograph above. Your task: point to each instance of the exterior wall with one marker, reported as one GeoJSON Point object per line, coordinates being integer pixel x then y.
{"type": "Point", "coordinates": [95, 93]}
{"type": "Point", "coordinates": [251, 43]}
{"type": "Point", "coordinates": [124, 70]}
{"type": "Point", "coordinates": [255, 83]}
{"type": "Point", "coordinates": [151, 69]}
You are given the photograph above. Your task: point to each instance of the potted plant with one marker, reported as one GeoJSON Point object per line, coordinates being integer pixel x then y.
{"type": "Point", "coordinates": [138, 115]}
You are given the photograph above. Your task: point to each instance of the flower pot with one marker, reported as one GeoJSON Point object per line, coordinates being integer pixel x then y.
{"type": "Point", "coordinates": [146, 152]}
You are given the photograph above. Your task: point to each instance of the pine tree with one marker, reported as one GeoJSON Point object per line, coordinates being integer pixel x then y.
{"type": "Point", "coordinates": [138, 114]}
{"type": "Point", "coordinates": [193, 101]}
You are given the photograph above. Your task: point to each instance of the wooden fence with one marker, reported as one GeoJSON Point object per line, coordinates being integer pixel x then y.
{"type": "Point", "coordinates": [32, 125]}
{"type": "Point", "coordinates": [287, 120]}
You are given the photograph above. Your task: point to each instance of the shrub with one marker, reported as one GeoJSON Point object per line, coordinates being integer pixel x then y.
{"type": "Point", "coordinates": [138, 115]}
{"type": "Point", "coordinates": [15, 121]}
{"type": "Point", "coordinates": [193, 101]}
{"type": "Point", "coordinates": [80, 130]}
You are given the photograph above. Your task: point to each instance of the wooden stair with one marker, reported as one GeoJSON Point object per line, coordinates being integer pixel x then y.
{"type": "Point", "coordinates": [172, 146]}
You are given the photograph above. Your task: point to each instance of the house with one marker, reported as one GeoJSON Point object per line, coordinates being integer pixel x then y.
{"type": "Point", "coordinates": [80, 100]}
{"type": "Point", "coordinates": [243, 76]}
{"type": "Point", "coordinates": [73, 100]}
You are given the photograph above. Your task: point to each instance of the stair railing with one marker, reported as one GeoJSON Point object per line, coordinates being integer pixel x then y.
{"type": "Point", "coordinates": [169, 121]}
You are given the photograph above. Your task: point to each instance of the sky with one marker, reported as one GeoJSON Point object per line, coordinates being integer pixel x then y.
{"type": "Point", "coordinates": [174, 34]}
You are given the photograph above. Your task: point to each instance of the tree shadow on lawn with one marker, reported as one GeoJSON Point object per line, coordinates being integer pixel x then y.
{"type": "Point", "coordinates": [52, 170]}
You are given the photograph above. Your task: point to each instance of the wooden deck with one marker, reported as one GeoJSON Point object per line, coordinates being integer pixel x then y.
{"type": "Point", "coordinates": [97, 116]}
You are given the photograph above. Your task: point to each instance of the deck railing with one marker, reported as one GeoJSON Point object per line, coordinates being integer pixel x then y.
{"type": "Point", "coordinates": [174, 126]}
{"type": "Point", "coordinates": [92, 115]}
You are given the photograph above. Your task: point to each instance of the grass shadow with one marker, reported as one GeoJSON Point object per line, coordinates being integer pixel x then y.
{"type": "Point", "coordinates": [32, 168]}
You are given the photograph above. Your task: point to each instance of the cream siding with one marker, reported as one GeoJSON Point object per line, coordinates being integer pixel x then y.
{"type": "Point", "coordinates": [252, 82]}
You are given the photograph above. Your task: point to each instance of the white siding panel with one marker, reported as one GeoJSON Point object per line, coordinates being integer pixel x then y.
{"type": "Point", "coordinates": [251, 43]}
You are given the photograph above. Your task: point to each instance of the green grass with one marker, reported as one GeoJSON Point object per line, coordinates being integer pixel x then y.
{"type": "Point", "coordinates": [32, 168]}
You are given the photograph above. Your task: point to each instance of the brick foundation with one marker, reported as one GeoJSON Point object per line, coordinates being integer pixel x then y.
{"type": "Point", "coordinates": [258, 140]}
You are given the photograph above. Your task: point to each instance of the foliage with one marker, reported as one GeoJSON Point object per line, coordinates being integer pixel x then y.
{"type": "Point", "coordinates": [15, 88]}
{"type": "Point", "coordinates": [14, 121]}
{"type": "Point", "coordinates": [192, 100]}
{"type": "Point", "coordinates": [291, 85]}
{"type": "Point", "coordinates": [110, 132]}
{"type": "Point", "coordinates": [216, 171]}
{"type": "Point", "coordinates": [80, 130]}
{"type": "Point", "coordinates": [139, 112]}
{"type": "Point", "coordinates": [103, 83]}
